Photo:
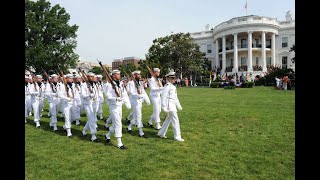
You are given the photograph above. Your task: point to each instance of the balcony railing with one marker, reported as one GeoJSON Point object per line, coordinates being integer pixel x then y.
{"type": "Point", "coordinates": [244, 46]}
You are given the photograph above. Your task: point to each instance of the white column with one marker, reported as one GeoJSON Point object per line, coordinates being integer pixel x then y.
{"type": "Point", "coordinates": [273, 49]}
{"type": "Point", "coordinates": [223, 54]}
{"type": "Point", "coordinates": [264, 67]}
{"type": "Point", "coordinates": [249, 51]}
{"type": "Point", "coordinates": [235, 53]}
{"type": "Point", "coordinates": [217, 53]}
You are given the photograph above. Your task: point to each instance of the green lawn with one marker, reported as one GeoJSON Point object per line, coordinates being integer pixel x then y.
{"type": "Point", "coordinates": [244, 133]}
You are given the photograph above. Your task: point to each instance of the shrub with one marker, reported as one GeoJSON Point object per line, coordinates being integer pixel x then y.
{"type": "Point", "coordinates": [215, 84]}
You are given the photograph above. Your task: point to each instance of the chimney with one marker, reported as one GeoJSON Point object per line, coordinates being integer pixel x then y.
{"type": "Point", "coordinates": [207, 27]}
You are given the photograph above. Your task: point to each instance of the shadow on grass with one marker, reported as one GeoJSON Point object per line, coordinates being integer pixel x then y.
{"type": "Point", "coordinates": [150, 132]}
{"type": "Point", "coordinates": [75, 132]}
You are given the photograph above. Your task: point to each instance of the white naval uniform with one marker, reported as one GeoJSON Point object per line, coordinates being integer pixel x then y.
{"type": "Point", "coordinates": [77, 103]}
{"type": "Point", "coordinates": [67, 103]}
{"type": "Point", "coordinates": [155, 96]}
{"type": "Point", "coordinates": [89, 101]}
{"type": "Point", "coordinates": [100, 99]}
{"type": "Point", "coordinates": [53, 100]}
{"type": "Point", "coordinates": [105, 90]}
{"type": "Point", "coordinates": [37, 98]}
{"type": "Point", "coordinates": [115, 105]}
{"type": "Point", "coordinates": [137, 100]}
{"type": "Point", "coordinates": [169, 104]}
{"type": "Point", "coordinates": [130, 116]}
{"type": "Point", "coordinates": [27, 101]}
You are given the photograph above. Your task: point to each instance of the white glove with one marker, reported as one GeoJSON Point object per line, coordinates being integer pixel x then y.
{"type": "Point", "coordinates": [119, 99]}
{"type": "Point", "coordinates": [179, 107]}
{"type": "Point", "coordinates": [165, 110]}
{"type": "Point", "coordinates": [92, 95]}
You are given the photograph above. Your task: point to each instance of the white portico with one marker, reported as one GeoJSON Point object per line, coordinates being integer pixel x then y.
{"type": "Point", "coordinates": [249, 44]}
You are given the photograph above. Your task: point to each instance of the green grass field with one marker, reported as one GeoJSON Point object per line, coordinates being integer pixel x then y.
{"type": "Point", "coordinates": [244, 133]}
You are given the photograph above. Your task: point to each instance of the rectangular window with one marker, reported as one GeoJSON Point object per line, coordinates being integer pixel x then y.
{"type": "Point", "coordinates": [284, 62]}
{"type": "Point", "coordinates": [231, 61]}
{"type": "Point", "coordinates": [284, 42]}
{"type": "Point", "coordinates": [268, 43]}
{"type": "Point", "coordinates": [257, 60]}
{"type": "Point", "coordinates": [256, 43]}
{"type": "Point", "coordinates": [208, 48]}
{"type": "Point", "coordinates": [243, 61]}
{"type": "Point", "coordinates": [268, 61]}
{"type": "Point", "coordinates": [243, 43]}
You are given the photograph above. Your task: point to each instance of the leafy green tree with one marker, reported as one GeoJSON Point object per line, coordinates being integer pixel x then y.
{"type": "Point", "coordinates": [127, 68]}
{"type": "Point", "coordinates": [293, 48]}
{"type": "Point", "coordinates": [177, 52]}
{"type": "Point", "coordinates": [96, 70]}
{"type": "Point", "coordinates": [49, 39]}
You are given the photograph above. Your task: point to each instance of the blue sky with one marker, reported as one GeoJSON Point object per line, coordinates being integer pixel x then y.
{"type": "Point", "coordinates": [111, 29]}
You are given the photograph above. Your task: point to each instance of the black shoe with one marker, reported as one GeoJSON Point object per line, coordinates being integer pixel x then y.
{"type": "Point", "coordinates": [97, 129]}
{"type": "Point", "coordinates": [83, 135]}
{"type": "Point", "coordinates": [69, 136]}
{"type": "Point", "coordinates": [129, 131]}
{"type": "Point", "coordinates": [108, 141]}
{"type": "Point", "coordinates": [157, 129]}
{"type": "Point", "coordinates": [122, 147]}
{"type": "Point", "coordinates": [150, 125]}
{"type": "Point", "coordinates": [96, 140]}
{"type": "Point", "coordinates": [143, 136]}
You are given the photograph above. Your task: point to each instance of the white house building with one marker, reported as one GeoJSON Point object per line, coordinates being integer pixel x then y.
{"type": "Point", "coordinates": [249, 43]}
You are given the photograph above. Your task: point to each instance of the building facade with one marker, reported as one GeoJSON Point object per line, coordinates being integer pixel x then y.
{"type": "Point", "coordinates": [249, 44]}
{"type": "Point", "coordinates": [86, 66]}
{"type": "Point", "coordinates": [117, 62]}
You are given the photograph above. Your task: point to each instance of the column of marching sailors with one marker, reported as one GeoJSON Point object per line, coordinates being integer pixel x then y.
{"type": "Point", "coordinates": [75, 94]}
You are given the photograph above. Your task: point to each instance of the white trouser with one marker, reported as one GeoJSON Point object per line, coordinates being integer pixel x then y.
{"type": "Point", "coordinates": [100, 106]}
{"type": "Point", "coordinates": [173, 118]}
{"type": "Point", "coordinates": [116, 116]}
{"type": "Point", "coordinates": [137, 113]}
{"type": "Point", "coordinates": [156, 105]}
{"type": "Point", "coordinates": [95, 107]}
{"type": "Point", "coordinates": [76, 112]}
{"type": "Point", "coordinates": [36, 106]}
{"type": "Point", "coordinates": [68, 114]}
{"type": "Point", "coordinates": [53, 109]}
{"type": "Point", "coordinates": [27, 106]}
{"type": "Point", "coordinates": [284, 86]}
{"type": "Point", "coordinates": [92, 119]}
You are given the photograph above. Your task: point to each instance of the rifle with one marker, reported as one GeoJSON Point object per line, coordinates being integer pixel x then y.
{"type": "Point", "coordinates": [110, 79]}
{"type": "Point", "coordinates": [34, 81]}
{"type": "Point", "coordinates": [135, 82]}
{"type": "Point", "coordinates": [51, 85]}
{"type": "Point", "coordinates": [84, 77]}
{"type": "Point", "coordinates": [64, 82]}
{"type": "Point", "coordinates": [153, 75]}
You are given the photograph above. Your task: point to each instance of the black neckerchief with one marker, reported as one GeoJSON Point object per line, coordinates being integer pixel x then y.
{"type": "Point", "coordinates": [39, 84]}
{"type": "Point", "coordinates": [26, 83]}
{"type": "Point", "coordinates": [117, 82]}
{"type": "Point", "coordinates": [70, 84]}
{"type": "Point", "coordinates": [91, 83]}
{"type": "Point", "coordinates": [79, 83]}
{"type": "Point", "coordinates": [55, 83]}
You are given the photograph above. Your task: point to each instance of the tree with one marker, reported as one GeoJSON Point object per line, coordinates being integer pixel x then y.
{"type": "Point", "coordinates": [49, 39]}
{"type": "Point", "coordinates": [127, 68]}
{"type": "Point", "coordinates": [177, 52]}
{"type": "Point", "coordinates": [96, 70]}
{"type": "Point", "coordinates": [293, 48]}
